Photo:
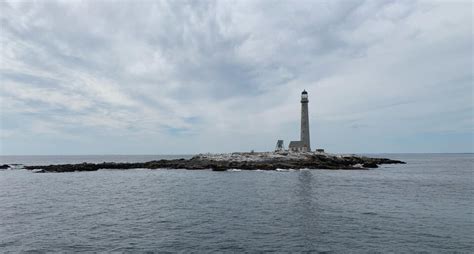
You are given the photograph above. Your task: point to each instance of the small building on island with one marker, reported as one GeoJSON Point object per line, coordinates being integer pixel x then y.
{"type": "Point", "coordinates": [298, 146]}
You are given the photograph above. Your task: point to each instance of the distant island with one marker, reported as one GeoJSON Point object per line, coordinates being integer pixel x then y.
{"type": "Point", "coordinates": [243, 161]}
{"type": "Point", "coordinates": [298, 156]}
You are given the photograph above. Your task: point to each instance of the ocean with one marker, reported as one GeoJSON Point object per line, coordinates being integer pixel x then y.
{"type": "Point", "coordinates": [423, 206]}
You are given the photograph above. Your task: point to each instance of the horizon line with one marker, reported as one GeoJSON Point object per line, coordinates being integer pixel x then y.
{"type": "Point", "coordinates": [177, 154]}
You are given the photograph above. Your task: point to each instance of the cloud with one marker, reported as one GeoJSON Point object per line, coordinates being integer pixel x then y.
{"type": "Point", "coordinates": [197, 76]}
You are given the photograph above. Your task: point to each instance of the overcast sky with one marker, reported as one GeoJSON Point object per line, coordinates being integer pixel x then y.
{"type": "Point", "coordinates": [180, 77]}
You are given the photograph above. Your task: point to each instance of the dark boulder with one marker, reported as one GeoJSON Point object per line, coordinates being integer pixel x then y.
{"type": "Point", "coordinates": [370, 165]}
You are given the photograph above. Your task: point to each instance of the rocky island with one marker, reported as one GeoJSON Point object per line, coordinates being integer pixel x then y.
{"type": "Point", "coordinates": [243, 161]}
{"type": "Point", "coordinates": [298, 156]}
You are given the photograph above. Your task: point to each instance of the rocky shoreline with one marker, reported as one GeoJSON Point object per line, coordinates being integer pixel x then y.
{"type": "Point", "coordinates": [243, 161]}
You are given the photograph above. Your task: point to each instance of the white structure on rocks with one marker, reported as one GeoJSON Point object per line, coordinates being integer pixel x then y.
{"type": "Point", "coordinates": [304, 144]}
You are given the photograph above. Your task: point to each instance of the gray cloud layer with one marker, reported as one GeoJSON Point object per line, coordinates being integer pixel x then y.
{"type": "Point", "coordinates": [194, 76]}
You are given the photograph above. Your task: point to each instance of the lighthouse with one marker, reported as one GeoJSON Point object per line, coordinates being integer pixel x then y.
{"type": "Point", "coordinates": [304, 145]}
{"type": "Point", "coordinates": [305, 121]}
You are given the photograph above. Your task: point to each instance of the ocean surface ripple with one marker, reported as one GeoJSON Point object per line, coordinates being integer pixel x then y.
{"type": "Point", "coordinates": [425, 205]}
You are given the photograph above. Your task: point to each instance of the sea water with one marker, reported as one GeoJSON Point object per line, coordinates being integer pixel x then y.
{"type": "Point", "coordinates": [425, 205]}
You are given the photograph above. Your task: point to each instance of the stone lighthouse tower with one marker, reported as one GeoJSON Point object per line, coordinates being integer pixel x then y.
{"type": "Point", "coordinates": [303, 145]}
{"type": "Point", "coordinates": [305, 121]}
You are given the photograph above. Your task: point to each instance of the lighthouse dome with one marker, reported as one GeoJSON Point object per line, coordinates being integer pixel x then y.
{"type": "Point", "coordinates": [304, 96]}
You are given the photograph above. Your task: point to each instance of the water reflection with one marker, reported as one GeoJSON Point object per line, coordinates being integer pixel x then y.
{"type": "Point", "coordinates": [307, 209]}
